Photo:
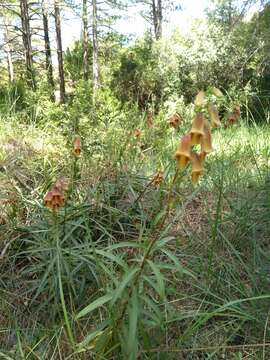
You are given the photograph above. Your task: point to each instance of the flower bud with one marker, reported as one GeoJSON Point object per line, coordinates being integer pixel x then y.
{"type": "Point", "coordinates": [213, 114]}
{"type": "Point", "coordinates": [216, 92]}
{"type": "Point", "coordinates": [199, 99]}
{"type": "Point", "coordinates": [61, 184]}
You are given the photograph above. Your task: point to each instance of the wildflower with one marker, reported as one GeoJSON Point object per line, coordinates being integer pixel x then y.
{"type": "Point", "coordinates": [48, 200]}
{"type": "Point", "coordinates": [197, 129]}
{"type": "Point", "coordinates": [234, 116]}
{"type": "Point", "coordinates": [231, 119]}
{"type": "Point", "coordinates": [77, 146]}
{"type": "Point", "coordinates": [174, 120]}
{"type": "Point", "coordinates": [54, 199]}
{"type": "Point", "coordinates": [197, 168]}
{"type": "Point", "coordinates": [137, 133]}
{"type": "Point", "coordinates": [213, 114]}
{"type": "Point", "coordinates": [206, 141]}
{"type": "Point", "coordinates": [199, 99]}
{"type": "Point", "coordinates": [182, 154]}
{"type": "Point", "coordinates": [58, 198]}
{"type": "Point", "coordinates": [158, 178]}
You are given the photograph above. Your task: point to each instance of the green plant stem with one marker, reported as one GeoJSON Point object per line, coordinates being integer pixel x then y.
{"type": "Point", "coordinates": [62, 297]}
{"type": "Point", "coordinates": [159, 227]}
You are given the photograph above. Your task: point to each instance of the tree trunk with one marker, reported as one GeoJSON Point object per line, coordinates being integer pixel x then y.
{"type": "Point", "coordinates": [154, 14]}
{"type": "Point", "coordinates": [59, 51]}
{"type": "Point", "coordinates": [95, 50]}
{"type": "Point", "coordinates": [26, 34]}
{"type": "Point", "coordinates": [85, 41]}
{"type": "Point", "coordinates": [157, 18]}
{"type": "Point", "coordinates": [48, 54]}
{"type": "Point", "coordinates": [7, 50]}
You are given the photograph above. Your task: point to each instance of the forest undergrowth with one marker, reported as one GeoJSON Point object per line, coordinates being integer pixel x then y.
{"type": "Point", "coordinates": [133, 261]}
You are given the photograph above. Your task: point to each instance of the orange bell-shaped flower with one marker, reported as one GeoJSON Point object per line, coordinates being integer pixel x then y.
{"type": "Point", "coordinates": [206, 141]}
{"type": "Point", "coordinates": [182, 154]}
{"type": "Point", "coordinates": [197, 168]}
{"type": "Point", "coordinates": [199, 99]}
{"type": "Point", "coordinates": [213, 115]}
{"type": "Point", "coordinates": [197, 129]}
{"type": "Point", "coordinates": [58, 198]}
{"type": "Point", "coordinates": [48, 200]}
{"type": "Point", "coordinates": [77, 146]}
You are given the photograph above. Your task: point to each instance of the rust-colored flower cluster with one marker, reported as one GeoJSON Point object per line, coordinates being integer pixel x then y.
{"type": "Point", "coordinates": [158, 178]}
{"type": "Point", "coordinates": [77, 145]}
{"type": "Point", "coordinates": [234, 116]}
{"type": "Point", "coordinates": [55, 198]}
{"type": "Point", "coordinates": [175, 120]}
{"type": "Point", "coordinates": [200, 134]}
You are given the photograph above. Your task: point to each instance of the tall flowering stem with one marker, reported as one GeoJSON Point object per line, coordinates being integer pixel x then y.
{"type": "Point", "coordinates": [147, 255]}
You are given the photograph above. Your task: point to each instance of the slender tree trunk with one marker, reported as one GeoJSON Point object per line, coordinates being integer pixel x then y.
{"type": "Point", "coordinates": [59, 51]}
{"type": "Point", "coordinates": [27, 44]}
{"type": "Point", "coordinates": [157, 18]}
{"type": "Point", "coordinates": [230, 23]}
{"type": "Point", "coordinates": [48, 54]}
{"type": "Point", "coordinates": [85, 41]}
{"type": "Point", "coordinates": [95, 50]}
{"type": "Point", "coordinates": [154, 14]}
{"type": "Point", "coordinates": [8, 54]}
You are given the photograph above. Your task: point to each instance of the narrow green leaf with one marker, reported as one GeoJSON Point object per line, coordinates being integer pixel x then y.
{"type": "Point", "coordinates": [5, 357]}
{"type": "Point", "coordinates": [94, 305]}
{"type": "Point", "coordinates": [159, 279]}
{"type": "Point", "coordinates": [127, 278]}
{"type": "Point", "coordinates": [178, 266]}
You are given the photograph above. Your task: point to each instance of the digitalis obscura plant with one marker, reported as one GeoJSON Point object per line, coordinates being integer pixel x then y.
{"type": "Point", "coordinates": [200, 133]}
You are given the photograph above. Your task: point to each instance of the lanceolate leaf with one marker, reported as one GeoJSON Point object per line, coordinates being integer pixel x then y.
{"type": "Point", "coordinates": [132, 342]}
{"type": "Point", "coordinates": [94, 305]}
{"type": "Point", "coordinates": [159, 279]}
{"type": "Point", "coordinates": [126, 280]}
